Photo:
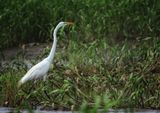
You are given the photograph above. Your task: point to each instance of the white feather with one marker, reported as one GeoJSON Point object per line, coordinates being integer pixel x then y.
{"type": "Point", "coordinates": [40, 70]}
{"type": "Point", "coordinates": [36, 72]}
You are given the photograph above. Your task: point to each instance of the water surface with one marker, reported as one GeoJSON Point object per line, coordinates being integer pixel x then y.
{"type": "Point", "coordinates": [10, 110]}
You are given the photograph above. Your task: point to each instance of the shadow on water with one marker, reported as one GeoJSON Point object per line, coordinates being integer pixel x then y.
{"type": "Point", "coordinates": [10, 110]}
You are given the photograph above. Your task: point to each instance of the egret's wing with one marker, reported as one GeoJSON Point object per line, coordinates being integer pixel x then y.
{"type": "Point", "coordinates": [37, 71]}
{"type": "Point", "coordinates": [32, 74]}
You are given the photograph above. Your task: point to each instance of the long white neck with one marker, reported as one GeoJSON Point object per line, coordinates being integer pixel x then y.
{"type": "Point", "coordinates": [53, 49]}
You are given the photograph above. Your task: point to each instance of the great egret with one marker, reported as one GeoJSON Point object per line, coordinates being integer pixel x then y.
{"type": "Point", "coordinates": [40, 70]}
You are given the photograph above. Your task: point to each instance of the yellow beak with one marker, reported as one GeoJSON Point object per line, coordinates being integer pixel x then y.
{"type": "Point", "coordinates": [69, 23]}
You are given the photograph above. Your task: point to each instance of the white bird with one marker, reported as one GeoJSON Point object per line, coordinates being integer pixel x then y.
{"type": "Point", "coordinates": [40, 70]}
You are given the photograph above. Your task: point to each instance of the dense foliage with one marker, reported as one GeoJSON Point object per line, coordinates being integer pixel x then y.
{"type": "Point", "coordinates": [25, 21]}
{"type": "Point", "coordinates": [126, 77]}
{"type": "Point", "coordinates": [91, 67]}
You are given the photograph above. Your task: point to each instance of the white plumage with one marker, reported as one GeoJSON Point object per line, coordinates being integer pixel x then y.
{"type": "Point", "coordinates": [40, 70]}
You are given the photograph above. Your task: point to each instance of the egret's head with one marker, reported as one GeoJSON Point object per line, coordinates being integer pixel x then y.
{"type": "Point", "coordinates": [62, 24]}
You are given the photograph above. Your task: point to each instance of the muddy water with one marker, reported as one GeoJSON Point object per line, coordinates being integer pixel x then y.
{"type": "Point", "coordinates": [21, 55]}
{"type": "Point", "coordinates": [29, 51]}
{"type": "Point", "coordinates": [134, 111]}
{"type": "Point", "coordinates": [10, 110]}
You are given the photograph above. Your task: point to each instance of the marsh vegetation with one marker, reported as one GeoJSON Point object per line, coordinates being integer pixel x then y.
{"type": "Point", "coordinates": [110, 58]}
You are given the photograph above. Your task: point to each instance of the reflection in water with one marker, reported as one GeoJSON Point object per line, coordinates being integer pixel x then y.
{"type": "Point", "coordinates": [10, 110]}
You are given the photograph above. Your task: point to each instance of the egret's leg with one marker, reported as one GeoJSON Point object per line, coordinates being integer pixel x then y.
{"type": "Point", "coordinates": [45, 78]}
{"type": "Point", "coordinates": [35, 81]}
{"type": "Point", "coordinates": [45, 92]}
{"type": "Point", "coordinates": [34, 84]}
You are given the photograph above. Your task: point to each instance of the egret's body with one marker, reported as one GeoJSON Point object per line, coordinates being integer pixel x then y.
{"type": "Point", "coordinates": [40, 70]}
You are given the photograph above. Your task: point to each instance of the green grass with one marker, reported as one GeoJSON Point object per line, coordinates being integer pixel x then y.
{"type": "Point", "coordinates": [112, 52]}
{"type": "Point", "coordinates": [127, 76]}
{"type": "Point", "coordinates": [31, 20]}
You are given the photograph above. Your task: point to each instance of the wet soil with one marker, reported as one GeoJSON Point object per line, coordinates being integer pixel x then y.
{"type": "Point", "coordinates": [29, 51]}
